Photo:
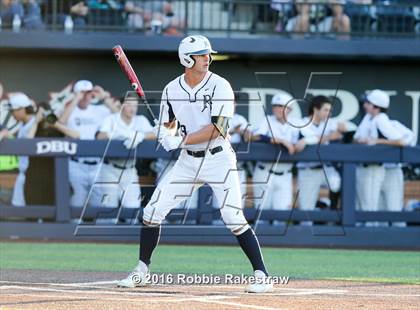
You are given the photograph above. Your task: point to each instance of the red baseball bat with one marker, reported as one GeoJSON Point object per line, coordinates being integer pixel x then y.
{"type": "Point", "coordinates": [132, 77]}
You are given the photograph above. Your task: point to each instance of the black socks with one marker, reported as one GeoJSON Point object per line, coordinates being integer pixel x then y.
{"type": "Point", "coordinates": [249, 244]}
{"type": "Point", "coordinates": [149, 239]}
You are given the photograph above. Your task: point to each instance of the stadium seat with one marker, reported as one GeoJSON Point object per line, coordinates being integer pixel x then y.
{"type": "Point", "coordinates": [391, 19]}
{"type": "Point", "coordinates": [106, 17]}
{"type": "Point", "coordinates": [361, 18]}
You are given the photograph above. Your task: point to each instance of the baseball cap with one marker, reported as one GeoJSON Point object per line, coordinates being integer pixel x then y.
{"type": "Point", "coordinates": [18, 101]}
{"type": "Point", "coordinates": [82, 85]}
{"type": "Point", "coordinates": [281, 99]}
{"type": "Point", "coordinates": [378, 98]}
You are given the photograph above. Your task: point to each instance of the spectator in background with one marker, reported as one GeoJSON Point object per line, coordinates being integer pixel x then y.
{"type": "Point", "coordinates": [119, 175]}
{"type": "Point", "coordinates": [392, 188]}
{"type": "Point", "coordinates": [85, 118]}
{"type": "Point", "coordinates": [32, 18]}
{"type": "Point", "coordinates": [285, 9]}
{"type": "Point", "coordinates": [339, 22]}
{"type": "Point", "coordinates": [238, 132]}
{"type": "Point", "coordinates": [302, 22]}
{"type": "Point", "coordinates": [375, 128]}
{"type": "Point", "coordinates": [78, 10]}
{"type": "Point", "coordinates": [136, 16]}
{"type": "Point", "coordinates": [157, 16]}
{"type": "Point", "coordinates": [8, 10]}
{"type": "Point", "coordinates": [238, 129]}
{"type": "Point", "coordinates": [23, 110]}
{"type": "Point", "coordinates": [273, 187]}
{"type": "Point", "coordinates": [4, 133]}
{"type": "Point", "coordinates": [312, 175]}
{"type": "Point", "coordinates": [8, 163]}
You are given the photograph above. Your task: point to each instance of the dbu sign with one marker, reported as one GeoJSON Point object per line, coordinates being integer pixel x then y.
{"type": "Point", "coordinates": [56, 146]}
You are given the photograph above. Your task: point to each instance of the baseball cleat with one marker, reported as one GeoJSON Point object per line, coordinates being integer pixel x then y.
{"type": "Point", "coordinates": [138, 277]}
{"type": "Point", "coordinates": [261, 283]}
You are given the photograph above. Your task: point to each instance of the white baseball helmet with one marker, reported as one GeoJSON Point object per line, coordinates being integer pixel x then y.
{"type": "Point", "coordinates": [193, 45]}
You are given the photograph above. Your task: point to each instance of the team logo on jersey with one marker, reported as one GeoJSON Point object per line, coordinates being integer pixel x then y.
{"type": "Point", "coordinates": [206, 102]}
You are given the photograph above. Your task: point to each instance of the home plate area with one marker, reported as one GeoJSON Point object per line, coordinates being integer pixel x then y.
{"type": "Point", "coordinates": [103, 294]}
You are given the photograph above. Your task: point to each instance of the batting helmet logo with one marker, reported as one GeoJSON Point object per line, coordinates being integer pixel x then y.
{"type": "Point", "coordinates": [193, 45]}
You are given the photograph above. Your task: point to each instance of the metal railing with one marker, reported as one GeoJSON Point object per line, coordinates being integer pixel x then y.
{"type": "Point", "coordinates": [68, 223]}
{"type": "Point", "coordinates": [347, 155]}
{"type": "Point", "coordinates": [227, 17]}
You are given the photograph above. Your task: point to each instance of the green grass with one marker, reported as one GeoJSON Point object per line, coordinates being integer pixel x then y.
{"type": "Point", "coordinates": [380, 266]}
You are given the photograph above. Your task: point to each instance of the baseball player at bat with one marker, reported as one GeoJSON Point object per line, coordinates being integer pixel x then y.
{"type": "Point", "coordinates": [202, 103]}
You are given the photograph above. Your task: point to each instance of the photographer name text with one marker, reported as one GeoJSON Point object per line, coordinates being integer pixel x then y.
{"type": "Point", "coordinates": [210, 279]}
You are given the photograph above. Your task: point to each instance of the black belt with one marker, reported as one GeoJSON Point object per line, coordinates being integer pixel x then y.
{"type": "Point", "coordinates": [275, 172]}
{"type": "Point", "coordinates": [312, 168]}
{"type": "Point", "coordinates": [86, 162]}
{"type": "Point", "coordinates": [106, 161]}
{"type": "Point", "coordinates": [371, 165]}
{"type": "Point", "coordinates": [213, 151]}
{"type": "Point", "coordinates": [280, 173]}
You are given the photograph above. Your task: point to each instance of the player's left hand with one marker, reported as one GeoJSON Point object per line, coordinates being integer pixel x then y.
{"type": "Point", "coordinates": [160, 132]}
{"type": "Point", "coordinates": [170, 143]}
{"type": "Point", "coordinates": [134, 139]}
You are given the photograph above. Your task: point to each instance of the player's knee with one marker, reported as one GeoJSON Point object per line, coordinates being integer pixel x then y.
{"type": "Point", "coordinates": [239, 229]}
{"type": "Point", "coordinates": [151, 217]}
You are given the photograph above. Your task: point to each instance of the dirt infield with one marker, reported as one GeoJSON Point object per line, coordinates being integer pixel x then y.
{"type": "Point", "coordinates": [37, 289]}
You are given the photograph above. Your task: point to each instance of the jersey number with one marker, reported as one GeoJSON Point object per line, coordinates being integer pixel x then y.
{"type": "Point", "coordinates": [183, 130]}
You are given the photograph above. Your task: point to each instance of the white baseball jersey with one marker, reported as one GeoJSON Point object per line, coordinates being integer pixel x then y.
{"type": "Point", "coordinates": [315, 132]}
{"type": "Point", "coordinates": [278, 130]}
{"type": "Point", "coordinates": [18, 196]}
{"type": "Point", "coordinates": [194, 107]}
{"type": "Point", "coordinates": [369, 179]}
{"type": "Point", "coordinates": [407, 134]}
{"type": "Point", "coordinates": [117, 129]}
{"type": "Point", "coordinates": [22, 134]}
{"type": "Point", "coordinates": [234, 122]}
{"type": "Point", "coordinates": [376, 127]}
{"type": "Point", "coordinates": [87, 121]}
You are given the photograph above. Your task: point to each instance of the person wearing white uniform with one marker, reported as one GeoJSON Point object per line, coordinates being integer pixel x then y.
{"type": "Point", "coordinates": [238, 126]}
{"type": "Point", "coordinates": [375, 128]}
{"type": "Point", "coordinates": [202, 102]}
{"type": "Point", "coordinates": [119, 175]}
{"type": "Point", "coordinates": [392, 188]}
{"type": "Point", "coordinates": [23, 110]}
{"type": "Point", "coordinates": [20, 105]}
{"type": "Point", "coordinates": [321, 129]}
{"type": "Point", "coordinates": [85, 118]}
{"type": "Point", "coordinates": [272, 182]}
